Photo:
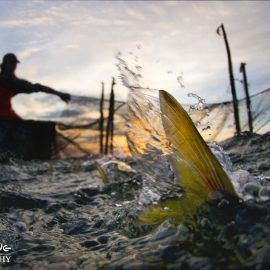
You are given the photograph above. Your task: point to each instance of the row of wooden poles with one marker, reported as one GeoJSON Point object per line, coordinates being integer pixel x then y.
{"type": "Point", "coordinates": [233, 89]}
{"type": "Point", "coordinates": [108, 147]}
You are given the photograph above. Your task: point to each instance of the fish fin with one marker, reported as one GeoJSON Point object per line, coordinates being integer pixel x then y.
{"type": "Point", "coordinates": [180, 209]}
{"type": "Point", "coordinates": [153, 215]}
{"type": "Point", "coordinates": [176, 210]}
{"type": "Point", "coordinates": [200, 171]}
{"type": "Point", "coordinates": [197, 169]}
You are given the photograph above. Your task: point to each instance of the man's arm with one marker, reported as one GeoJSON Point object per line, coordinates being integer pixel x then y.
{"type": "Point", "coordinates": [45, 89]}
{"type": "Point", "coordinates": [23, 86]}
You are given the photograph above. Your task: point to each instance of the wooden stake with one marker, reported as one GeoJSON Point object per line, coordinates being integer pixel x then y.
{"type": "Point", "coordinates": [101, 121]}
{"type": "Point", "coordinates": [235, 101]}
{"type": "Point", "coordinates": [109, 130]}
{"type": "Point", "coordinates": [112, 103]}
{"type": "Point", "coordinates": [248, 102]}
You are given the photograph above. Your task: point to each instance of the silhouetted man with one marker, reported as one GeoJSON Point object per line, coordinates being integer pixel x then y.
{"type": "Point", "coordinates": [10, 86]}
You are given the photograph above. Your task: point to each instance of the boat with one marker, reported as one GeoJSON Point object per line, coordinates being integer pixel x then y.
{"type": "Point", "coordinates": [27, 139]}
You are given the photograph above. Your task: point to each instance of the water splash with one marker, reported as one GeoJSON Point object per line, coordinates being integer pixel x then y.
{"type": "Point", "coordinates": [128, 77]}
{"type": "Point", "coordinates": [180, 80]}
{"type": "Point", "coordinates": [200, 107]}
{"type": "Point", "coordinates": [147, 141]}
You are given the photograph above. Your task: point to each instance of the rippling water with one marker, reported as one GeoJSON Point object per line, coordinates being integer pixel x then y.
{"type": "Point", "coordinates": [60, 215]}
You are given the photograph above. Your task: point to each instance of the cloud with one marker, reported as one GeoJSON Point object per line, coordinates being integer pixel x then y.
{"type": "Point", "coordinates": [27, 52]}
{"type": "Point", "coordinates": [71, 44]}
{"type": "Point", "coordinates": [137, 15]}
{"type": "Point", "coordinates": [25, 22]}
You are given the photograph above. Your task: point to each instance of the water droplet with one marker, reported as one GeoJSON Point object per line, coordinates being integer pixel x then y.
{"type": "Point", "coordinates": [118, 204]}
{"type": "Point", "coordinates": [180, 80]}
{"type": "Point", "coordinates": [251, 188]}
{"type": "Point", "coordinates": [206, 128]}
{"type": "Point", "coordinates": [264, 193]}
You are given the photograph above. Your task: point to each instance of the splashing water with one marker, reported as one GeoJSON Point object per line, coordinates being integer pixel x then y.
{"type": "Point", "coordinates": [147, 140]}
{"type": "Point", "coordinates": [200, 103]}
{"type": "Point", "coordinates": [180, 80]}
{"type": "Point", "coordinates": [200, 108]}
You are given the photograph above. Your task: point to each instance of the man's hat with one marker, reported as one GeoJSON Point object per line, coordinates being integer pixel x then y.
{"type": "Point", "coordinates": [10, 57]}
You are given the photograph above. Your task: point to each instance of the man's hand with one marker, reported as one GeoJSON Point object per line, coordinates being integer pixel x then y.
{"type": "Point", "coordinates": [65, 97]}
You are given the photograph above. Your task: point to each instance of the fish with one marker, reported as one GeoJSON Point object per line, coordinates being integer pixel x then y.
{"type": "Point", "coordinates": [196, 168]}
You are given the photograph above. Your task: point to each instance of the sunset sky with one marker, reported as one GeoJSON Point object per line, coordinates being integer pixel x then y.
{"type": "Point", "coordinates": [71, 45]}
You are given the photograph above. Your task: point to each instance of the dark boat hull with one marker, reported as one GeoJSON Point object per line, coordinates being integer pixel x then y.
{"type": "Point", "coordinates": [26, 139]}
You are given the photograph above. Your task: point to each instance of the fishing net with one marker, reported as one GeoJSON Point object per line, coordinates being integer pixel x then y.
{"type": "Point", "coordinates": [216, 121]}
{"type": "Point", "coordinates": [77, 123]}
{"type": "Point", "coordinates": [137, 121]}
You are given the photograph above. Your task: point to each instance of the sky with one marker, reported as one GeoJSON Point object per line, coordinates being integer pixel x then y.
{"type": "Point", "coordinates": [72, 45]}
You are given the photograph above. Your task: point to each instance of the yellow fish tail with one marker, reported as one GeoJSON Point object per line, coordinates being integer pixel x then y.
{"type": "Point", "coordinates": [198, 170]}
